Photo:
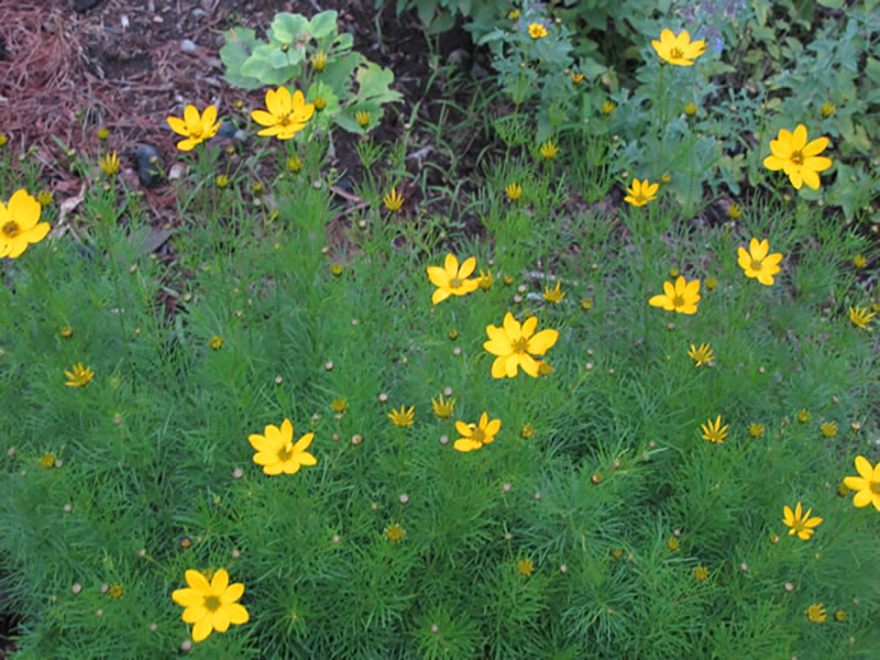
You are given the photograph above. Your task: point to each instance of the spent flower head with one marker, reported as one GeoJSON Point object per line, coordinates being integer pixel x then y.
{"type": "Point", "coordinates": [608, 107]}
{"type": "Point", "coordinates": [827, 109]}
{"type": "Point", "coordinates": [319, 61]}
{"type": "Point", "coordinates": [525, 567]}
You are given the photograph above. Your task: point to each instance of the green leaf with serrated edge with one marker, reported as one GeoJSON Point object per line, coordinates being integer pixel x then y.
{"type": "Point", "coordinates": [286, 26]}
{"type": "Point", "coordinates": [323, 24]}
{"type": "Point", "coordinates": [373, 84]}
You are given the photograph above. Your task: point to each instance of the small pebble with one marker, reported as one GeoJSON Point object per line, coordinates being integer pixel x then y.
{"type": "Point", "coordinates": [188, 46]}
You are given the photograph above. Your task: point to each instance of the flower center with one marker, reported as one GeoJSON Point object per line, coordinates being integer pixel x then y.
{"type": "Point", "coordinates": [455, 283]}
{"type": "Point", "coordinates": [285, 120]}
{"type": "Point", "coordinates": [212, 603]}
{"type": "Point", "coordinates": [676, 53]}
{"type": "Point", "coordinates": [196, 132]}
{"type": "Point", "coordinates": [756, 264]}
{"type": "Point", "coordinates": [11, 229]}
{"type": "Point", "coordinates": [678, 301]}
{"type": "Point", "coordinates": [641, 198]}
{"type": "Point", "coordinates": [285, 453]}
{"type": "Point", "coordinates": [479, 435]}
{"type": "Point", "coordinates": [521, 345]}
{"type": "Point", "coordinates": [875, 487]}
{"type": "Point", "coordinates": [797, 158]}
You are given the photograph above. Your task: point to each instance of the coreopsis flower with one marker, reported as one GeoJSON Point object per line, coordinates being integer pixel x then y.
{"type": "Point", "coordinates": [859, 261]}
{"type": "Point", "coordinates": [681, 297]}
{"type": "Point", "coordinates": [195, 127]}
{"type": "Point", "coordinates": [803, 416]}
{"type": "Point", "coordinates": [339, 406]}
{"type": "Point", "coordinates": [514, 191]}
{"type": "Point", "coordinates": [444, 407]}
{"type": "Point", "coordinates": [336, 270]}
{"type": "Point", "coordinates": [537, 31]}
{"type": "Point", "coordinates": [554, 295]}
{"type": "Point", "coordinates": [20, 224]}
{"type": "Point", "coordinates": [210, 605]}
{"type": "Point", "coordinates": [525, 567]}
{"type": "Point", "coordinates": [799, 159]}
{"type": "Point", "coordinates": [756, 430]}
{"type": "Point", "coordinates": [860, 317]}
{"type": "Point", "coordinates": [514, 14]}
{"type": "Point", "coordinates": [319, 61]}
{"type": "Point", "coordinates": [678, 49]}
{"type": "Point", "coordinates": [320, 103]}
{"type": "Point", "coordinates": [757, 264]}
{"type": "Point", "coordinates": [363, 117]}
{"type": "Point", "coordinates": [666, 178]}
{"type": "Point", "coordinates": [674, 272]}
{"type": "Point", "coordinates": [800, 523]}
{"type": "Point", "coordinates": [586, 304]}
{"type": "Point", "coordinates": [474, 436]}
{"type": "Point", "coordinates": [485, 280]}
{"type": "Point", "coordinates": [690, 109]}
{"type": "Point", "coordinates": [115, 591]}
{"type": "Point", "coordinates": [452, 334]}
{"type": "Point", "coordinates": [47, 460]}
{"type": "Point", "coordinates": [641, 192]}
{"type": "Point", "coordinates": [577, 77]}
{"type": "Point", "coordinates": [402, 417]}
{"type": "Point", "coordinates": [287, 115]}
{"type": "Point", "coordinates": [549, 150]}
{"type": "Point", "coordinates": [514, 344]}
{"type": "Point", "coordinates": [711, 283]}
{"type": "Point", "coordinates": [827, 109]}
{"type": "Point", "coordinates": [79, 376]}
{"type": "Point", "coordinates": [816, 613]}
{"type": "Point", "coordinates": [3, 139]}
{"type": "Point", "coordinates": [702, 355]}
{"type": "Point", "coordinates": [452, 279]}
{"type": "Point", "coordinates": [110, 164]}
{"type": "Point", "coordinates": [294, 164]}
{"type": "Point", "coordinates": [103, 133]}
{"type": "Point", "coordinates": [867, 484]}
{"type": "Point", "coordinates": [527, 432]}
{"type": "Point", "coordinates": [701, 573]}
{"type": "Point", "coordinates": [673, 544]}
{"type": "Point", "coordinates": [66, 332]}
{"type": "Point", "coordinates": [222, 181]}
{"type": "Point", "coordinates": [829, 429]}
{"type": "Point", "coordinates": [734, 211]}
{"type": "Point", "coordinates": [394, 533]}
{"type": "Point", "coordinates": [45, 198]}
{"type": "Point", "coordinates": [608, 107]}
{"type": "Point", "coordinates": [216, 343]}
{"type": "Point", "coordinates": [840, 616]}
{"type": "Point", "coordinates": [393, 200]}
{"type": "Point", "coordinates": [714, 432]}
{"type": "Point", "coordinates": [277, 452]}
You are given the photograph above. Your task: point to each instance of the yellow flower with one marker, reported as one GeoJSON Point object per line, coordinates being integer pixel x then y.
{"type": "Point", "coordinates": [474, 436]}
{"type": "Point", "coordinates": [757, 264]}
{"type": "Point", "coordinates": [545, 368]}
{"type": "Point", "coordinates": [803, 417]}
{"type": "Point", "coordinates": [829, 429]}
{"type": "Point", "coordinates": [734, 211]}
{"type": "Point", "coordinates": [816, 613]}
{"type": "Point", "coordinates": [756, 430]}
{"type": "Point", "coordinates": [20, 224]}
{"type": "Point", "coordinates": [859, 261]}
{"type": "Point", "coordinates": [294, 164]}
{"type": "Point", "coordinates": [3, 139]}
{"type": "Point", "coordinates": [867, 483]}
{"type": "Point", "coordinates": [320, 103]}
{"type": "Point", "coordinates": [608, 107]}
{"type": "Point", "coordinates": [714, 432]}
{"type": "Point", "coordinates": [47, 460]}
{"type": "Point", "coordinates": [840, 616]}
{"type": "Point", "coordinates": [860, 317]}
{"type": "Point", "coordinates": [678, 50]}
{"type": "Point", "coordinates": [443, 408]}
{"type": "Point", "coordinates": [681, 297]}
{"type": "Point", "coordinates": [336, 270]}
{"type": "Point", "coordinates": [210, 606]}
{"type": "Point", "coordinates": [277, 452]}
{"type": "Point", "coordinates": [195, 127]}
{"type": "Point", "coordinates": [799, 159]}
{"type": "Point", "coordinates": [674, 272]}
{"type": "Point", "coordinates": [287, 115]}
{"type": "Point", "coordinates": [514, 15]}
{"type": "Point", "coordinates": [665, 178]}
{"type": "Point", "coordinates": [673, 544]}
{"type": "Point", "coordinates": [586, 304]}
{"type": "Point", "coordinates": [110, 164]}
{"type": "Point", "coordinates": [319, 61]}
{"type": "Point", "coordinates": [549, 149]}
{"type": "Point", "coordinates": [827, 109]}
{"type": "Point", "coordinates": [216, 342]}
{"type": "Point", "coordinates": [711, 283]}
{"type": "Point", "coordinates": [701, 573]}
{"type": "Point", "coordinates": [514, 191]}
{"type": "Point", "coordinates": [452, 334]}
{"type": "Point", "coordinates": [394, 533]}
{"type": "Point", "coordinates": [641, 192]}
{"type": "Point", "coordinates": [393, 200]}
{"type": "Point", "coordinates": [452, 279]}
{"type": "Point", "coordinates": [577, 78]}
{"type": "Point", "coordinates": [45, 198]}
{"type": "Point", "coordinates": [103, 133]}
{"type": "Point", "coordinates": [701, 355]}
{"type": "Point", "coordinates": [79, 377]}
{"type": "Point", "coordinates": [554, 296]}
{"type": "Point", "coordinates": [402, 417]}
{"type": "Point", "coordinates": [507, 280]}
{"type": "Point", "coordinates": [537, 31]}
{"type": "Point", "coordinates": [66, 332]}
{"type": "Point", "coordinates": [802, 525]}
{"type": "Point", "coordinates": [690, 109]}
{"type": "Point", "coordinates": [525, 567]}
{"type": "Point", "coordinates": [222, 181]}
{"type": "Point", "coordinates": [339, 405]}
{"type": "Point", "coordinates": [485, 281]}
{"type": "Point", "coordinates": [527, 432]}
{"type": "Point", "coordinates": [363, 118]}
{"type": "Point", "coordinates": [115, 591]}
{"type": "Point", "coordinates": [514, 344]}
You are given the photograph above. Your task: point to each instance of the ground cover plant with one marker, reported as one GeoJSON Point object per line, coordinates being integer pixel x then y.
{"type": "Point", "coordinates": [611, 392]}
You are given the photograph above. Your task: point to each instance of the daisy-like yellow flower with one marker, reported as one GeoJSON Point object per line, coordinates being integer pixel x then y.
{"type": "Point", "coordinates": [339, 405]}
{"type": "Point", "coordinates": [577, 77]}
{"type": "Point", "coordinates": [555, 295]}
{"type": "Point", "coordinates": [452, 280]}
{"type": "Point", "coordinates": [714, 432]}
{"type": "Point", "coordinates": [537, 31]}
{"type": "Point", "coordinates": [701, 355]}
{"type": "Point", "coordinates": [514, 191]}
{"type": "Point", "coordinates": [682, 297]}
{"type": "Point", "coordinates": [549, 150]}
{"type": "Point", "coordinates": [800, 523]}
{"type": "Point", "coordinates": [79, 376]}
{"type": "Point", "coordinates": [514, 15]}
{"type": "Point", "coordinates": [827, 109]}
{"type": "Point", "coordinates": [641, 192]}
{"type": "Point", "coordinates": [829, 429]}
{"type": "Point", "coordinates": [514, 344]}
{"type": "Point", "coordinates": [277, 452]}
{"type": "Point", "coordinates": [474, 436]}
{"type": "Point", "coordinates": [690, 109]}
{"type": "Point", "coordinates": [525, 567]}
{"type": "Point", "coordinates": [394, 533]}
{"type": "Point", "coordinates": [757, 264]}
{"type": "Point", "coordinates": [294, 164]}
{"type": "Point", "coordinates": [363, 117]}
{"type": "Point", "coordinates": [678, 49]}
{"type": "Point", "coordinates": [195, 127]}
{"type": "Point", "coordinates": [816, 613]}
{"type": "Point", "coordinates": [799, 159]}
{"type": "Point", "coordinates": [444, 407]}
{"type": "Point", "coordinates": [402, 417]}
{"type": "Point", "coordinates": [319, 61]}
{"type": "Point", "coordinates": [287, 115]}
{"type": "Point", "coordinates": [110, 163]}
{"type": "Point", "coordinates": [756, 430]}
{"type": "Point", "coordinates": [859, 261]}
{"type": "Point", "coordinates": [485, 280]}
{"type": "Point", "coordinates": [393, 200]}
{"type": "Point", "coordinates": [45, 198]}
{"type": "Point", "coordinates": [860, 317]}
{"type": "Point", "coordinates": [701, 573]}
{"type": "Point", "coordinates": [608, 107]}
{"type": "Point", "coordinates": [734, 211]}
{"type": "Point", "coordinates": [210, 606]}
{"type": "Point", "coordinates": [320, 103]}
{"type": "Point", "coordinates": [867, 484]}
{"type": "Point", "coordinates": [20, 224]}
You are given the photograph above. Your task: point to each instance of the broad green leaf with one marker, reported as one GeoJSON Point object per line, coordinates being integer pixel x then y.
{"type": "Point", "coordinates": [338, 74]}
{"type": "Point", "coordinates": [286, 26]}
{"type": "Point", "coordinates": [832, 4]}
{"type": "Point", "coordinates": [373, 84]}
{"type": "Point", "coordinates": [323, 24]}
